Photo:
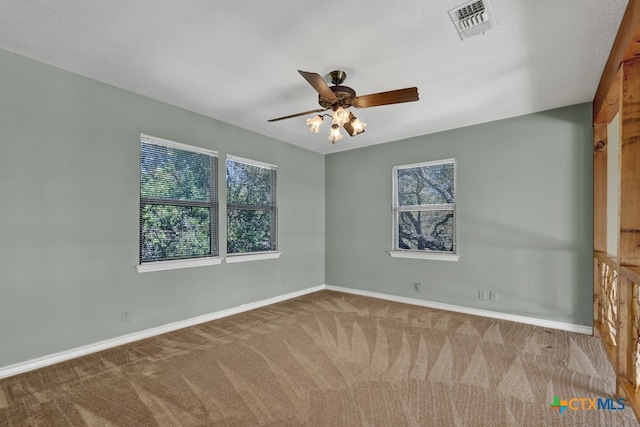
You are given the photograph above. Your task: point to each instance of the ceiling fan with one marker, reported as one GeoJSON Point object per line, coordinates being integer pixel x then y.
{"type": "Point", "coordinates": [339, 98]}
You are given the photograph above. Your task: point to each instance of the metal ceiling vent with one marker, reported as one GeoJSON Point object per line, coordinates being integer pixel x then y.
{"type": "Point", "coordinates": [472, 18]}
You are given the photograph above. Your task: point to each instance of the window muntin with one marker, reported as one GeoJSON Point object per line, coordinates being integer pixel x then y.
{"type": "Point", "coordinates": [251, 206]}
{"type": "Point", "coordinates": [178, 201]}
{"type": "Point", "coordinates": [424, 214]}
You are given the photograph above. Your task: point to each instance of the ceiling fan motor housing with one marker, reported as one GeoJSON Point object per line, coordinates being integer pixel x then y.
{"type": "Point", "coordinates": [345, 96]}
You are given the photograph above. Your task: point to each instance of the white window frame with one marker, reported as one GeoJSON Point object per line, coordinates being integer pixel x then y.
{"type": "Point", "coordinates": [149, 266]}
{"type": "Point", "coordinates": [396, 252]}
{"type": "Point", "coordinates": [233, 258]}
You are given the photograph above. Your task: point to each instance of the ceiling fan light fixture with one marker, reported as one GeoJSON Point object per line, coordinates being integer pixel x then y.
{"type": "Point", "coordinates": [358, 126]}
{"type": "Point", "coordinates": [354, 126]}
{"type": "Point", "coordinates": [339, 98]}
{"type": "Point", "coordinates": [340, 116]}
{"type": "Point", "coordinates": [314, 124]}
{"type": "Point", "coordinates": [335, 134]}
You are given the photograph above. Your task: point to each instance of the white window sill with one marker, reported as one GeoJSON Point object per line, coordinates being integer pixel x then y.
{"type": "Point", "coordinates": [231, 259]}
{"type": "Point", "coordinates": [424, 255]}
{"type": "Point", "coordinates": [179, 263]}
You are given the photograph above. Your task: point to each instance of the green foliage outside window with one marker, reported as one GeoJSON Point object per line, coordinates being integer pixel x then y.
{"type": "Point", "coordinates": [251, 211]}
{"type": "Point", "coordinates": [170, 232]}
{"type": "Point", "coordinates": [178, 210]}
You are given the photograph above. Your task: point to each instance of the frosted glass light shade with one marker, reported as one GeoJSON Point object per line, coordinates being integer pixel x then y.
{"type": "Point", "coordinates": [314, 124]}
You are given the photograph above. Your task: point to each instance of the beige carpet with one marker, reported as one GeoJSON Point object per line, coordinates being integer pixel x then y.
{"type": "Point", "coordinates": [326, 359]}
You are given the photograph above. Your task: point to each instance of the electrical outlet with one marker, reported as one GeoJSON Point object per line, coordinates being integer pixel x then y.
{"type": "Point", "coordinates": [126, 316]}
{"type": "Point", "coordinates": [482, 294]}
{"type": "Point", "coordinates": [418, 287]}
{"type": "Point", "coordinates": [493, 295]}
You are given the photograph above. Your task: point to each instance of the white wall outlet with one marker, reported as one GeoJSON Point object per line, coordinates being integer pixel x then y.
{"type": "Point", "coordinates": [126, 315]}
{"type": "Point", "coordinates": [418, 287]}
{"type": "Point", "coordinates": [493, 295]}
{"type": "Point", "coordinates": [482, 294]}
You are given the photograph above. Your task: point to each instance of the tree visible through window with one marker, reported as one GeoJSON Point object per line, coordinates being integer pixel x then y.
{"type": "Point", "coordinates": [251, 206]}
{"type": "Point", "coordinates": [178, 205]}
{"type": "Point", "coordinates": [424, 207]}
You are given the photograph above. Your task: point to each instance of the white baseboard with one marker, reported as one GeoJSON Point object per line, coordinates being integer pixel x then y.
{"type": "Point", "coordinates": [62, 356]}
{"type": "Point", "coordinates": [52, 359]}
{"type": "Point", "coordinates": [551, 324]}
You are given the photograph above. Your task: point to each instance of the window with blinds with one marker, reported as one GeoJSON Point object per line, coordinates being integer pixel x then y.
{"type": "Point", "coordinates": [424, 207]}
{"type": "Point", "coordinates": [251, 206]}
{"type": "Point", "coordinates": [178, 201]}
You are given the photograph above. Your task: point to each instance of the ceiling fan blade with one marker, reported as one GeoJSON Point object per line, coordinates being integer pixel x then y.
{"type": "Point", "coordinates": [319, 85]}
{"type": "Point", "coordinates": [409, 94]}
{"type": "Point", "coordinates": [298, 114]}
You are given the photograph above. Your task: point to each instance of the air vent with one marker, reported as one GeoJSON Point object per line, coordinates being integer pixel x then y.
{"type": "Point", "coordinates": [472, 18]}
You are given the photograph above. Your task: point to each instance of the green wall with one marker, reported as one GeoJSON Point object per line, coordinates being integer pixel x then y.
{"type": "Point", "coordinates": [69, 189]}
{"type": "Point", "coordinates": [524, 205]}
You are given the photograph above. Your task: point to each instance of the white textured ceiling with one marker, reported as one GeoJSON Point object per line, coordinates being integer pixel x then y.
{"type": "Point", "coordinates": [237, 61]}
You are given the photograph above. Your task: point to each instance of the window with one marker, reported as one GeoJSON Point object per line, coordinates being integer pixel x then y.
{"type": "Point", "coordinates": [424, 210]}
{"type": "Point", "coordinates": [251, 206]}
{"type": "Point", "coordinates": [178, 202]}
